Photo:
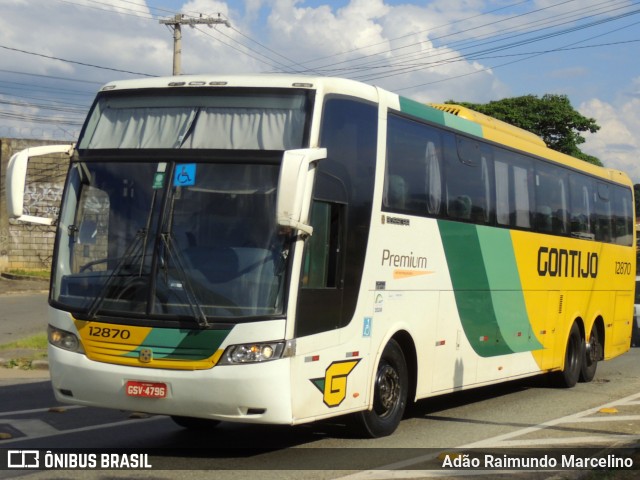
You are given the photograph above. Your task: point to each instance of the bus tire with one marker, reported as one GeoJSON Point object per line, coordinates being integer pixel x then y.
{"type": "Point", "coordinates": [591, 356]}
{"type": "Point", "coordinates": [573, 360]}
{"type": "Point", "coordinates": [389, 394]}
{"type": "Point", "coordinates": [196, 424]}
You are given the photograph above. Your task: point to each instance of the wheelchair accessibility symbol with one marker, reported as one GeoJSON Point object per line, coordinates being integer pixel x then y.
{"type": "Point", "coordinates": [185, 175]}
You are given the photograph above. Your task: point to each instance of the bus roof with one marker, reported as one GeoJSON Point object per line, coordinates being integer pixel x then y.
{"type": "Point", "coordinates": [468, 121]}
{"type": "Point", "coordinates": [249, 80]}
{"type": "Point", "coordinates": [501, 128]}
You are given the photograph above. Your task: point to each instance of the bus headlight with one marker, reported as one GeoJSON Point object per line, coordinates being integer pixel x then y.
{"type": "Point", "coordinates": [256, 352]}
{"type": "Point", "coordinates": [63, 339]}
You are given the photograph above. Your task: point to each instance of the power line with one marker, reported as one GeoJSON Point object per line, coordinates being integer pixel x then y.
{"type": "Point", "coordinates": [75, 62]}
{"type": "Point", "coordinates": [276, 66]}
{"type": "Point", "coordinates": [530, 55]}
{"type": "Point", "coordinates": [136, 13]}
{"type": "Point", "coordinates": [54, 108]}
{"type": "Point", "coordinates": [293, 62]}
{"type": "Point", "coordinates": [413, 34]}
{"type": "Point", "coordinates": [66, 79]}
{"type": "Point", "coordinates": [397, 68]}
{"type": "Point", "coordinates": [525, 41]}
{"type": "Point", "coordinates": [475, 42]}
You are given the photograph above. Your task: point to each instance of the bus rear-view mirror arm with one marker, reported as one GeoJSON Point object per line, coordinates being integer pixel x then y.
{"type": "Point", "coordinates": [17, 177]}
{"type": "Point", "coordinates": [295, 187]}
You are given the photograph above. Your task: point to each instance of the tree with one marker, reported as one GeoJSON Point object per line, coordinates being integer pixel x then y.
{"type": "Point", "coordinates": [551, 117]}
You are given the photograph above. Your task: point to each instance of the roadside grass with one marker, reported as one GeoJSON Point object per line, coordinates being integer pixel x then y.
{"type": "Point", "coordinates": [35, 342]}
{"type": "Point", "coordinates": [23, 352]}
{"type": "Point", "coordinates": [45, 274]}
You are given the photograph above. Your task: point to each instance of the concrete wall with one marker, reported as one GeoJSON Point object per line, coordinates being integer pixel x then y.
{"type": "Point", "coordinates": [26, 245]}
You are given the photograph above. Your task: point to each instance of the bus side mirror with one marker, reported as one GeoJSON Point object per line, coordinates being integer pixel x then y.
{"type": "Point", "coordinates": [295, 186]}
{"type": "Point", "coordinates": [17, 177]}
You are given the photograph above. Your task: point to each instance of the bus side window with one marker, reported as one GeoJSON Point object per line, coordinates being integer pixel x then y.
{"type": "Point", "coordinates": [551, 200]}
{"type": "Point", "coordinates": [623, 223]}
{"type": "Point", "coordinates": [581, 189]}
{"type": "Point", "coordinates": [322, 249]}
{"type": "Point", "coordinates": [602, 221]}
{"type": "Point", "coordinates": [469, 182]}
{"type": "Point", "coordinates": [514, 190]}
{"type": "Point", "coordinates": [413, 176]}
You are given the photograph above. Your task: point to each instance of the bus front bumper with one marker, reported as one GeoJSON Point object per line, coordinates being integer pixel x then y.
{"type": "Point", "coordinates": [249, 393]}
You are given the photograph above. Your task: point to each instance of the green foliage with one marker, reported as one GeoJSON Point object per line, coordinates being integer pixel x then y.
{"type": "Point", "coordinates": [38, 342]}
{"type": "Point", "coordinates": [551, 117]}
{"type": "Point", "coordinates": [46, 274]}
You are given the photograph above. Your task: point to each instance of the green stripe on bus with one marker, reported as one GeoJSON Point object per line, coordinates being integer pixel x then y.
{"type": "Point", "coordinates": [182, 344]}
{"type": "Point", "coordinates": [487, 289]}
{"type": "Point", "coordinates": [471, 288]}
{"type": "Point", "coordinates": [420, 110]}
{"type": "Point", "coordinates": [425, 112]}
{"type": "Point", "coordinates": [506, 289]}
{"type": "Point", "coordinates": [463, 125]}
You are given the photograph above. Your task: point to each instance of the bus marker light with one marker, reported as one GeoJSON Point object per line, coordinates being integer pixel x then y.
{"type": "Point", "coordinates": [313, 358]}
{"type": "Point", "coordinates": [440, 343]}
{"type": "Point", "coordinates": [352, 354]}
{"type": "Point", "coordinates": [484, 338]}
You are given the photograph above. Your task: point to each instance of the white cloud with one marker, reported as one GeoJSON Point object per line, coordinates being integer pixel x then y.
{"type": "Point", "coordinates": [617, 143]}
{"type": "Point", "coordinates": [367, 33]}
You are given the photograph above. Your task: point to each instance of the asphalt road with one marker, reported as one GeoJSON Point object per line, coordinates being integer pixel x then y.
{"type": "Point", "coordinates": [21, 315]}
{"type": "Point", "coordinates": [524, 414]}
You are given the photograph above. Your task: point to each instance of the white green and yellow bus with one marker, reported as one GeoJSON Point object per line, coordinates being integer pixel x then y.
{"type": "Point", "coordinates": [284, 249]}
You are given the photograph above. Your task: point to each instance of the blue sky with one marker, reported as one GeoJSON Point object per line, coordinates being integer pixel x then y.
{"type": "Point", "coordinates": [429, 50]}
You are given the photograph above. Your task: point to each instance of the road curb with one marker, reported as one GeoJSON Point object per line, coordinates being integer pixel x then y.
{"type": "Point", "coordinates": [29, 278]}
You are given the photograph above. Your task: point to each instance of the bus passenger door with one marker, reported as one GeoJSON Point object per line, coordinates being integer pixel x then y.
{"type": "Point", "coordinates": [320, 296]}
{"type": "Point", "coordinates": [321, 372]}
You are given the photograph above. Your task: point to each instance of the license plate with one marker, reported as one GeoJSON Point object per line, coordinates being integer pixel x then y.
{"type": "Point", "coordinates": [146, 389]}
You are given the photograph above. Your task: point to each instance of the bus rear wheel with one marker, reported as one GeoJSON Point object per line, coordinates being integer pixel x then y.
{"type": "Point", "coordinates": [389, 394]}
{"type": "Point", "coordinates": [573, 360]}
{"type": "Point", "coordinates": [591, 355]}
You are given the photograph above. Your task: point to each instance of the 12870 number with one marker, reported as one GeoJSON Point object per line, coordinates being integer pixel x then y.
{"type": "Point", "coordinates": [107, 332]}
{"type": "Point", "coordinates": [623, 268]}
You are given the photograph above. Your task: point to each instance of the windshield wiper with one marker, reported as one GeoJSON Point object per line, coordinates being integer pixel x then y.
{"type": "Point", "coordinates": [133, 250]}
{"type": "Point", "coordinates": [177, 260]}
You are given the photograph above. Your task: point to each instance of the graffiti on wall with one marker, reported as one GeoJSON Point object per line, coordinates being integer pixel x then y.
{"type": "Point", "coordinates": [42, 199]}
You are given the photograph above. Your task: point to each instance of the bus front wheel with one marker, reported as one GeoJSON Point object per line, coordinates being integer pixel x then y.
{"type": "Point", "coordinates": [389, 394]}
{"type": "Point", "coordinates": [573, 360]}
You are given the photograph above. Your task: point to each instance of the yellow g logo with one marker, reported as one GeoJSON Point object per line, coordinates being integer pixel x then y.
{"type": "Point", "coordinates": [334, 384]}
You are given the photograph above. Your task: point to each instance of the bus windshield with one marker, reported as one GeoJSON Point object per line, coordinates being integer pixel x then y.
{"type": "Point", "coordinates": [169, 210]}
{"type": "Point", "coordinates": [164, 239]}
{"type": "Point", "coordinates": [233, 119]}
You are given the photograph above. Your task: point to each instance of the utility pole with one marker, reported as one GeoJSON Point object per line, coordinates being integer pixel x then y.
{"type": "Point", "coordinates": [176, 23]}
